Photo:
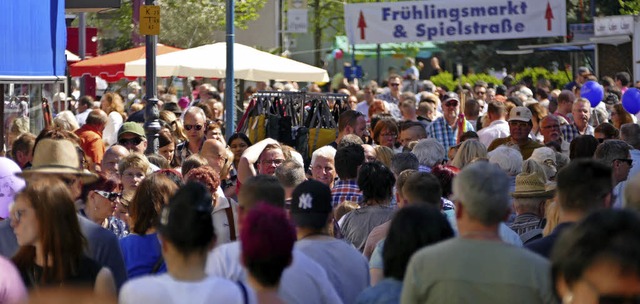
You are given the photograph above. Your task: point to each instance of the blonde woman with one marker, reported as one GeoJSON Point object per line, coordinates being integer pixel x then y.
{"type": "Point", "coordinates": [65, 120]}
{"type": "Point", "coordinates": [467, 152]}
{"type": "Point", "coordinates": [384, 155]}
{"type": "Point", "coordinates": [112, 104]}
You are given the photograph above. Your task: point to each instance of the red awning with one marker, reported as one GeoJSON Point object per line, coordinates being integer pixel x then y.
{"type": "Point", "coordinates": [110, 67]}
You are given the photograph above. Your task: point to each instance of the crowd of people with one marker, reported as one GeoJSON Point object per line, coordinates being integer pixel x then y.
{"type": "Point", "coordinates": [492, 194]}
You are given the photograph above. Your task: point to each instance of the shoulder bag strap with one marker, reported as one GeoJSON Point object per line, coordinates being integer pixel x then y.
{"type": "Point", "coordinates": [157, 265]}
{"type": "Point", "coordinates": [232, 224]}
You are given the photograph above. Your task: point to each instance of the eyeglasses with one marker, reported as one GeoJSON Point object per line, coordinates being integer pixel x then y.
{"type": "Point", "coordinates": [480, 93]}
{"type": "Point", "coordinates": [197, 127]}
{"type": "Point", "coordinates": [626, 160]}
{"type": "Point", "coordinates": [451, 103]}
{"type": "Point", "coordinates": [130, 141]}
{"type": "Point", "coordinates": [112, 196]}
{"type": "Point", "coordinates": [268, 162]}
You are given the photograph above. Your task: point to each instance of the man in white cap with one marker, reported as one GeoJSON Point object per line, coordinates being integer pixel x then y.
{"type": "Point", "coordinates": [519, 126]}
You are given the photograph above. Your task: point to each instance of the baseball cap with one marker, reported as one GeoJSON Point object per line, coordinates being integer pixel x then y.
{"type": "Point", "coordinates": [450, 95]}
{"type": "Point", "coordinates": [311, 204]}
{"type": "Point", "coordinates": [131, 127]}
{"type": "Point", "coordinates": [520, 114]}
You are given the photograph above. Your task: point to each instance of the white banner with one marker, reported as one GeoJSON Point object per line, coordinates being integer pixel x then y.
{"type": "Point", "coordinates": [297, 20]}
{"type": "Point", "coordinates": [613, 25]}
{"type": "Point", "coordinates": [454, 20]}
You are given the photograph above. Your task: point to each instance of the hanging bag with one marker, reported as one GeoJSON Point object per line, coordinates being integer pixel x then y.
{"type": "Point", "coordinates": [322, 128]}
{"type": "Point", "coordinates": [256, 128]}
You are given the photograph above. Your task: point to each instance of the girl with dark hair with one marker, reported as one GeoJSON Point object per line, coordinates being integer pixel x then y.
{"type": "Point", "coordinates": [51, 253]}
{"type": "Point", "coordinates": [186, 235]}
{"type": "Point", "coordinates": [167, 147]}
{"type": "Point", "coordinates": [412, 228]}
{"type": "Point", "coordinates": [376, 182]}
{"type": "Point", "coordinates": [583, 146]}
{"type": "Point", "coordinates": [238, 142]}
{"type": "Point", "coordinates": [140, 249]}
{"type": "Point", "coordinates": [101, 199]}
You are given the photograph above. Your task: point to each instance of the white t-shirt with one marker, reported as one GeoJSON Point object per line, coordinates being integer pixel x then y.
{"type": "Point", "coordinates": [165, 289]}
{"type": "Point", "coordinates": [303, 282]}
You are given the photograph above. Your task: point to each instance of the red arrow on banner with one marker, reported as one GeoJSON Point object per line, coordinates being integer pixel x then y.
{"type": "Point", "coordinates": [362, 25]}
{"type": "Point", "coordinates": [548, 15]}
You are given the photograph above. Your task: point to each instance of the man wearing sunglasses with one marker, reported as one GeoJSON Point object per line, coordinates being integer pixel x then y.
{"type": "Point", "coordinates": [445, 128]}
{"type": "Point", "coordinates": [131, 136]}
{"type": "Point", "coordinates": [617, 154]}
{"type": "Point", "coordinates": [194, 124]}
{"type": "Point", "coordinates": [393, 96]}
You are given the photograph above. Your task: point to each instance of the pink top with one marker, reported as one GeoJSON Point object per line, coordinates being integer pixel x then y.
{"type": "Point", "coordinates": [12, 288]}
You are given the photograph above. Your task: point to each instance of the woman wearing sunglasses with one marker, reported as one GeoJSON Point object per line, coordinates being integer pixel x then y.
{"type": "Point", "coordinates": [51, 243]}
{"type": "Point", "coordinates": [100, 200]}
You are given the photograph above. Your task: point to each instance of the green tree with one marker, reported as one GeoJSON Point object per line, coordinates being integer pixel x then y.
{"type": "Point", "coordinates": [183, 23]}
{"type": "Point", "coordinates": [629, 7]}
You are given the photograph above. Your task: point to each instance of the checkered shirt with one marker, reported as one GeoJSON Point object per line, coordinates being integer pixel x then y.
{"type": "Point", "coordinates": [345, 190]}
{"type": "Point", "coordinates": [444, 133]}
{"type": "Point", "coordinates": [570, 131]}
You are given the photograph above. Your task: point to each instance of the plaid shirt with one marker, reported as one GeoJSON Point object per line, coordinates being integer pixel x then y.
{"type": "Point", "coordinates": [569, 132]}
{"type": "Point", "coordinates": [444, 133]}
{"type": "Point", "coordinates": [345, 190]}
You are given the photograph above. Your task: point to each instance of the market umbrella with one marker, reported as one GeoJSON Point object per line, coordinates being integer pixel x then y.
{"type": "Point", "coordinates": [210, 61]}
{"type": "Point", "coordinates": [110, 67]}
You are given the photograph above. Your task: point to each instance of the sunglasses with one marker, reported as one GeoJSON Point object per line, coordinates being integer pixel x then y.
{"type": "Point", "coordinates": [394, 84]}
{"type": "Point", "coordinates": [130, 141]}
{"type": "Point", "coordinates": [451, 104]}
{"type": "Point", "coordinates": [619, 300]}
{"type": "Point", "coordinates": [197, 127]}
{"type": "Point", "coordinates": [626, 160]}
{"type": "Point", "coordinates": [112, 196]}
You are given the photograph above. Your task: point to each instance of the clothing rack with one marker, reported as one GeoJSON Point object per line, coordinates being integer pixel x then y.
{"type": "Point", "coordinates": [300, 99]}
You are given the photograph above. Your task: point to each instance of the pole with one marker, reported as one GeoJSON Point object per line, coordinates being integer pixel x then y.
{"type": "Point", "coordinates": [82, 47]}
{"type": "Point", "coordinates": [151, 113]}
{"type": "Point", "coordinates": [229, 88]}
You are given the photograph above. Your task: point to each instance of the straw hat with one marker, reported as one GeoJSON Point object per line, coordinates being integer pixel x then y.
{"type": "Point", "coordinates": [58, 156]}
{"type": "Point", "coordinates": [531, 185]}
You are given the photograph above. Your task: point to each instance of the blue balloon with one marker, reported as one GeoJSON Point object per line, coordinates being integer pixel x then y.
{"type": "Point", "coordinates": [631, 100]}
{"type": "Point", "coordinates": [592, 91]}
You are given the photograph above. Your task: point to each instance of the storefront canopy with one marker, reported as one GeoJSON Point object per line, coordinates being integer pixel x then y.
{"type": "Point", "coordinates": [415, 49]}
{"type": "Point", "coordinates": [32, 40]}
{"type": "Point", "coordinates": [110, 67]}
{"type": "Point", "coordinates": [210, 61]}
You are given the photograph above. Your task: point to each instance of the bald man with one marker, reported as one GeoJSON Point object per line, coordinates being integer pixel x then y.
{"type": "Point", "coordinates": [214, 152]}
{"type": "Point", "coordinates": [110, 161]}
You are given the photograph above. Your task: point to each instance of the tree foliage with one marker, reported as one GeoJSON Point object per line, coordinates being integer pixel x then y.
{"type": "Point", "coordinates": [629, 7]}
{"type": "Point", "coordinates": [190, 23]}
{"type": "Point", "coordinates": [183, 23]}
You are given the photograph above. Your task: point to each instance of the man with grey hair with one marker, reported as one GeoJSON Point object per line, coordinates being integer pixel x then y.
{"type": "Point", "coordinates": [194, 121]}
{"type": "Point", "coordinates": [290, 174]}
{"type": "Point", "coordinates": [430, 152]}
{"type": "Point", "coordinates": [403, 161]}
{"type": "Point", "coordinates": [323, 168]}
{"type": "Point", "coordinates": [481, 196]}
{"type": "Point", "coordinates": [616, 154]}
